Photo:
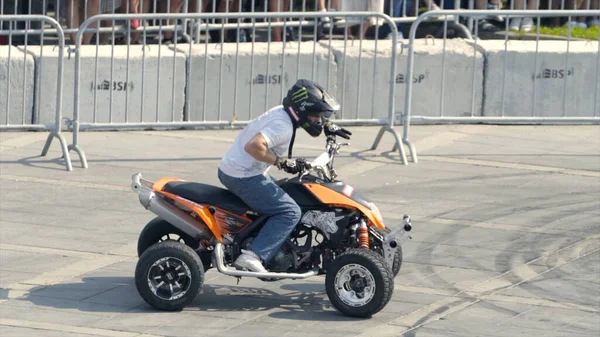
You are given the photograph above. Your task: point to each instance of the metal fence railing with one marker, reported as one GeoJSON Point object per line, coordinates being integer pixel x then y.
{"type": "Point", "coordinates": [520, 82]}
{"type": "Point", "coordinates": [201, 81]}
{"type": "Point", "coordinates": [30, 101]}
{"type": "Point", "coordinates": [186, 85]}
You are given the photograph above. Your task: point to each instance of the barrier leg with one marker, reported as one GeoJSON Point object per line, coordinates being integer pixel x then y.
{"type": "Point", "coordinates": [397, 144]}
{"type": "Point", "coordinates": [63, 147]}
{"type": "Point", "coordinates": [378, 138]}
{"type": "Point", "coordinates": [47, 145]}
{"type": "Point", "coordinates": [81, 154]}
{"type": "Point", "coordinates": [413, 151]}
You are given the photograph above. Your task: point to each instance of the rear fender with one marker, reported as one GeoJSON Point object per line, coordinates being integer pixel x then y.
{"type": "Point", "coordinates": [201, 210]}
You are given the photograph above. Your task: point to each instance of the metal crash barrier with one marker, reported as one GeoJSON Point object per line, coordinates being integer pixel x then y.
{"type": "Point", "coordinates": [202, 84]}
{"type": "Point", "coordinates": [209, 70]}
{"type": "Point", "coordinates": [510, 81]}
{"type": "Point", "coordinates": [31, 81]}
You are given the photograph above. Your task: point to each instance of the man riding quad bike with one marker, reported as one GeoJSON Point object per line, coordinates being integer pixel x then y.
{"type": "Point", "coordinates": [295, 228]}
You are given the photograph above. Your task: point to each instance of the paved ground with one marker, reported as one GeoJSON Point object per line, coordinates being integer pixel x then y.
{"type": "Point", "coordinates": [506, 237]}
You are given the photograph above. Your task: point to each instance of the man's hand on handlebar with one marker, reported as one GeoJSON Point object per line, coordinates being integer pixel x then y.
{"type": "Point", "coordinates": [292, 166]}
{"type": "Point", "coordinates": [332, 129]}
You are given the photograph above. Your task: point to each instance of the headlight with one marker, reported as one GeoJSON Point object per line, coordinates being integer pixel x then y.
{"type": "Point", "coordinates": [376, 211]}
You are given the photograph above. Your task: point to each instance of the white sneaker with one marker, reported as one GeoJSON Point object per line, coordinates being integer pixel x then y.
{"type": "Point", "coordinates": [576, 24]}
{"type": "Point", "coordinates": [492, 16]}
{"type": "Point", "coordinates": [515, 24]}
{"type": "Point", "coordinates": [593, 23]}
{"type": "Point", "coordinates": [400, 36]}
{"type": "Point", "coordinates": [249, 260]}
{"type": "Point", "coordinates": [527, 25]}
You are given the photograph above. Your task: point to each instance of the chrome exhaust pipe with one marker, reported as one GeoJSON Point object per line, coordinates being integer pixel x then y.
{"type": "Point", "coordinates": [175, 216]}
{"type": "Point", "coordinates": [218, 261]}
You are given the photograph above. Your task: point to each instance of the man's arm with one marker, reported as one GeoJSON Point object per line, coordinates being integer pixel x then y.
{"type": "Point", "coordinates": [259, 149]}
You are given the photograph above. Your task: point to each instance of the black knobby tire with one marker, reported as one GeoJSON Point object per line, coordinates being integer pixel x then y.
{"type": "Point", "coordinates": [157, 228]}
{"type": "Point", "coordinates": [397, 261]}
{"type": "Point", "coordinates": [381, 275]}
{"type": "Point", "coordinates": [177, 254]}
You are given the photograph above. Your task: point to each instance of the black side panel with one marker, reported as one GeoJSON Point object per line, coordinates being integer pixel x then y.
{"type": "Point", "coordinates": [241, 236]}
{"type": "Point", "coordinates": [300, 194]}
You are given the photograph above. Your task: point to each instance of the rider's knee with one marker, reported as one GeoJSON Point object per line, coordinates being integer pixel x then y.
{"type": "Point", "coordinates": [295, 213]}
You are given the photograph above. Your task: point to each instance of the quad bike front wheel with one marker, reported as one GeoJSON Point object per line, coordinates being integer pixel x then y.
{"type": "Point", "coordinates": [169, 275]}
{"type": "Point", "coordinates": [359, 283]}
{"type": "Point", "coordinates": [397, 264]}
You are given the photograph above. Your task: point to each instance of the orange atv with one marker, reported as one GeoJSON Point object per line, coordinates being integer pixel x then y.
{"type": "Point", "coordinates": [341, 235]}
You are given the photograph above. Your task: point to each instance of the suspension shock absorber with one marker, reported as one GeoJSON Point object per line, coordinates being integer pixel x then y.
{"type": "Point", "coordinates": [363, 235]}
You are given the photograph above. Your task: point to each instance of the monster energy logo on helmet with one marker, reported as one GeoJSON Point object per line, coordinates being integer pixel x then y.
{"type": "Point", "coordinates": [300, 95]}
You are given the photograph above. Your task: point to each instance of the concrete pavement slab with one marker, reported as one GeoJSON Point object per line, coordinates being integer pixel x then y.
{"type": "Point", "coordinates": [505, 242]}
{"type": "Point", "coordinates": [6, 330]}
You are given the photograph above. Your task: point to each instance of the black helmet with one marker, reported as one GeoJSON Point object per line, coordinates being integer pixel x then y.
{"type": "Point", "coordinates": [307, 98]}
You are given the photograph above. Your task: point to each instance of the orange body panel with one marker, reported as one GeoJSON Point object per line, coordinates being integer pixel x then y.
{"type": "Point", "coordinates": [201, 210]}
{"type": "Point", "coordinates": [230, 223]}
{"type": "Point", "coordinates": [331, 197]}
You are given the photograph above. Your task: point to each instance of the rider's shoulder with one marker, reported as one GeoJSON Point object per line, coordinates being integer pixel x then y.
{"type": "Point", "coordinates": [278, 115]}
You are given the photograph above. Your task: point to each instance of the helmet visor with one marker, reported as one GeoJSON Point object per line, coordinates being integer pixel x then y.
{"type": "Point", "coordinates": [332, 102]}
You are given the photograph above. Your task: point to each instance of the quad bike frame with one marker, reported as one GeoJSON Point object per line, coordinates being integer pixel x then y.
{"type": "Point", "coordinates": [156, 202]}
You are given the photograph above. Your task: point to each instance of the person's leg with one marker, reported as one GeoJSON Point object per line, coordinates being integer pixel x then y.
{"type": "Point", "coordinates": [399, 12]}
{"type": "Point", "coordinates": [132, 7]}
{"type": "Point", "coordinates": [170, 7]}
{"type": "Point", "coordinates": [264, 196]}
{"type": "Point", "coordinates": [527, 23]}
{"type": "Point", "coordinates": [72, 12]}
{"type": "Point", "coordinates": [93, 8]}
{"type": "Point", "coordinates": [581, 4]}
{"type": "Point", "coordinates": [515, 23]}
{"type": "Point", "coordinates": [276, 6]}
{"type": "Point", "coordinates": [594, 20]}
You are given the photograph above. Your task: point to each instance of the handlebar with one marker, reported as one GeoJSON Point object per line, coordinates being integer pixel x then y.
{"type": "Point", "coordinates": [332, 148]}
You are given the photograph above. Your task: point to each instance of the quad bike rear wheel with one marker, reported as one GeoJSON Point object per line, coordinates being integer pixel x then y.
{"type": "Point", "coordinates": [359, 283]}
{"type": "Point", "coordinates": [169, 275]}
{"type": "Point", "coordinates": [160, 230]}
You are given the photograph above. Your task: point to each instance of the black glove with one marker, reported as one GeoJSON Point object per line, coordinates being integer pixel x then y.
{"type": "Point", "coordinates": [332, 129]}
{"type": "Point", "coordinates": [292, 166]}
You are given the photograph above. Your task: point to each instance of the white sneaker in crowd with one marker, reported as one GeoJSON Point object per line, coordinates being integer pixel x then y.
{"type": "Point", "coordinates": [400, 36]}
{"type": "Point", "coordinates": [492, 16]}
{"type": "Point", "coordinates": [515, 24]}
{"type": "Point", "coordinates": [573, 23]}
{"type": "Point", "coordinates": [527, 25]}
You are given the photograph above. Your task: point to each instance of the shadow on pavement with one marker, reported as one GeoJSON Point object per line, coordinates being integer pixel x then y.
{"type": "Point", "coordinates": [119, 295]}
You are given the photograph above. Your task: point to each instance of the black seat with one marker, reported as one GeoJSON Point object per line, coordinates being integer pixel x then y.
{"type": "Point", "coordinates": [207, 194]}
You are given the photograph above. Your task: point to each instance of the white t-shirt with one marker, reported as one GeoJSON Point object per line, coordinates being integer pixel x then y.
{"type": "Point", "coordinates": [277, 128]}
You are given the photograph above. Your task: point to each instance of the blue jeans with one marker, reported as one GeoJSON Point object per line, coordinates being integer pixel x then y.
{"type": "Point", "coordinates": [264, 196]}
{"type": "Point", "coordinates": [397, 11]}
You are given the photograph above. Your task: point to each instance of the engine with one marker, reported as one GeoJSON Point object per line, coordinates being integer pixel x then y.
{"type": "Point", "coordinates": [282, 262]}
{"type": "Point", "coordinates": [318, 231]}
